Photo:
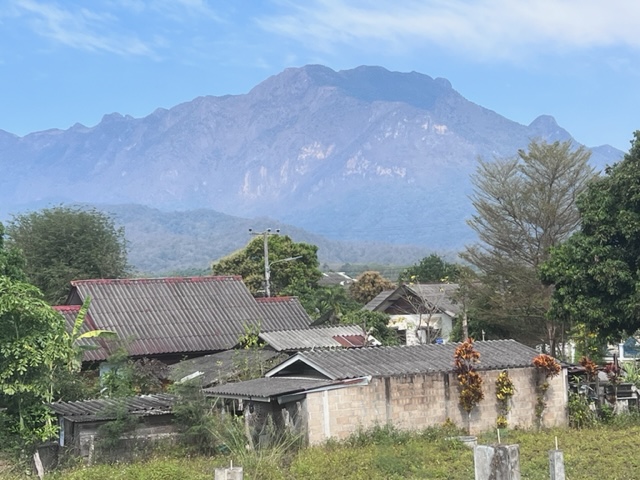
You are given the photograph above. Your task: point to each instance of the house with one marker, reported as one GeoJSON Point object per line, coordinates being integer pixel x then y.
{"type": "Point", "coordinates": [420, 313]}
{"type": "Point", "coordinates": [327, 394]}
{"type": "Point", "coordinates": [339, 336]}
{"type": "Point", "coordinates": [173, 318]}
{"type": "Point", "coordinates": [80, 421]}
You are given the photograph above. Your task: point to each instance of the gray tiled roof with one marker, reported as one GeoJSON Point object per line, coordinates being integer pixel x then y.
{"type": "Point", "coordinates": [181, 315]}
{"type": "Point", "coordinates": [265, 388]}
{"type": "Point", "coordinates": [438, 295]}
{"type": "Point", "coordinates": [378, 300]}
{"type": "Point", "coordinates": [403, 360]}
{"type": "Point", "coordinates": [317, 337]}
{"type": "Point", "coordinates": [106, 408]}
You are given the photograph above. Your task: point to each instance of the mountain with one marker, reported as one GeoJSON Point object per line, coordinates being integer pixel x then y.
{"type": "Point", "coordinates": [361, 155]}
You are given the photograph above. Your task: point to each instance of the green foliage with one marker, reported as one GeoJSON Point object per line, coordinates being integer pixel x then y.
{"type": "Point", "coordinates": [286, 278]}
{"type": "Point", "coordinates": [580, 413]}
{"type": "Point", "coordinates": [327, 305]}
{"type": "Point", "coordinates": [115, 439]}
{"type": "Point", "coordinates": [12, 262]}
{"type": "Point", "coordinates": [61, 244]}
{"type": "Point", "coordinates": [124, 377]}
{"type": "Point", "coordinates": [368, 285]}
{"type": "Point", "coordinates": [30, 355]}
{"type": "Point", "coordinates": [524, 207]}
{"type": "Point", "coordinates": [373, 323]}
{"type": "Point", "coordinates": [431, 269]}
{"type": "Point", "coordinates": [595, 272]}
{"type": "Point", "coordinates": [194, 417]}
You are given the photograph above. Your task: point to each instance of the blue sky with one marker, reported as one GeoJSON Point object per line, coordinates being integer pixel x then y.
{"type": "Point", "coordinates": [63, 62]}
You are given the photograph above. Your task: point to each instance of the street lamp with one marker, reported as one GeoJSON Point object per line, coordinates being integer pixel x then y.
{"type": "Point", "coordinates": [267, 266]}
{"type": "Point", "coordinates": [267, 271]}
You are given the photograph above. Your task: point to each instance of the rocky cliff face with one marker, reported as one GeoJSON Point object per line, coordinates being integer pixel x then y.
{"type": "Point", "coordinates": [357, 154]}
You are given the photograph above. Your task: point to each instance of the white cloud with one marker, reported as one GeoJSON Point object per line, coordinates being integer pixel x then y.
{"type": "Point", "coordinates": [81, 28]}
{"type": "Point", "coordinates": [486, 28]}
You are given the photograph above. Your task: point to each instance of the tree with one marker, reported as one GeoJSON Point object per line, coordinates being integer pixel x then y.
{"type": "Point", "coordinates": [327, 305]}
{"type": "Point", "coordinates": [30, 354]}
{"type": "Point", "coordinates": [12, 262]}
{"type": "Point", "coordinates": [287, 278]}
{"type": "Point", "coordinates": [368, 285]}
{"type": "Point", "coordinates": [61, 244]}
{"type": "Point", "coordinates": [596, 272]}
{"type": "Point", "coordinates": [524, 207]}
{"type": "Point", "coordinates": [431, 269]}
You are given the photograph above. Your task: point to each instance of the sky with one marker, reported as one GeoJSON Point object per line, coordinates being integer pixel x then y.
{"type": "Point", "coordinates": [65, 62]}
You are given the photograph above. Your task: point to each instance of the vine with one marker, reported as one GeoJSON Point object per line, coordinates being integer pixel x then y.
{"type": "Point", "coordinates": [469, 381]}
{"type": "Point", "coordinates": [504, 391]}
{"type": "Point", "coordinates": [547, 367]}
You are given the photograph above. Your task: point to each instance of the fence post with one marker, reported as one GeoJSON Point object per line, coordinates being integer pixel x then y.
{"type": "Point", "coordinates": [497, 462]}
{"type": "Point", "coordinates": [229, 473]}
{"type": "Point", "coordinates": [556, 465]}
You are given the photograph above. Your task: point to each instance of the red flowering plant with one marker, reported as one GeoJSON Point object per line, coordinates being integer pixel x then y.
{"type": "Point", "coordinates": [547, 367]}
{"type": "Point", "coordinates": [469, 381]}
{"type": "Point", "coordinates": [590, 368]}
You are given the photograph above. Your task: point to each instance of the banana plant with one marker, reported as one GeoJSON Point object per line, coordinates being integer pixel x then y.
{"type": "Point", "coordinates": [76, 349]}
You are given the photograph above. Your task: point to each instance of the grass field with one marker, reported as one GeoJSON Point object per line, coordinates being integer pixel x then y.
{"type": "Point", "coordinates": [604, 452]}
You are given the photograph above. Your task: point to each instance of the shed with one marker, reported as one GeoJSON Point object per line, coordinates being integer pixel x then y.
{"type": "Point", "coordinates": [333, 393]}
{"type": "Point", "coordinates": [79, 421]}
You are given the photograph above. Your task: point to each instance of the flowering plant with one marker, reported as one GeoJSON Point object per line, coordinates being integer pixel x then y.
{"type": "Point", "coordinates": [504, 391]}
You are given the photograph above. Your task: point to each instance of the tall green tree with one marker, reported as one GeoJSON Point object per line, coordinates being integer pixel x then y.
{"type": "Point", "coordinates": [30, 355]}
{"type": "Point", "coordinates": [61, 244]}
{"type": "Point", "coordinates": [596, 272]}
{"type": "Point", "coordinates": [12, 262]}
{"type": "Point", "coordinates": [524, 206]}
{"type": "Point", "coordinates": [289, 277]}
{"type": "Point", "coordinates": [431, 269]}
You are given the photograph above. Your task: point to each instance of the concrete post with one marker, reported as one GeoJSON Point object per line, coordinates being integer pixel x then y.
{"type": "Point", "coordinates": [497, 462]}
{"type": "Point", "coordinates": [556, 465]}
{"type": "Point", "coordinates": [230, 473]}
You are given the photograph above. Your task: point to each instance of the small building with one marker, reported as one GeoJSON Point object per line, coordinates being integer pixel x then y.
{"type": "Point", "coordinates": [337, 336]}
{"type": "Point", "coordinates": [80, 421]}
{"type": "Point", "coordinates": [329, 394]}
{"type": "Point", "coordinates": [420, 313]}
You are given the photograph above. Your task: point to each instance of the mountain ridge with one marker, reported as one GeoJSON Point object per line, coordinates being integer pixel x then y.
{"type": "Point", "coordinates": [356, 155]}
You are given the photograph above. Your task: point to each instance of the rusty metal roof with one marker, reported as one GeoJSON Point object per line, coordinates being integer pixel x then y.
{"type": "Point", "coordinates": [181, 315]}
{"type": "Point", "coordinates": [107, 408]}
{"type": "Point", "coordinates": [317, 337]}
{"type": "Point", "coordinates": [402, 360]}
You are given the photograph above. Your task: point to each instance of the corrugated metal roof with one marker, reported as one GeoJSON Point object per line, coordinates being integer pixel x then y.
{"type": "Point", "coordinates": [317, 337]}
{"type": "Point", "coordinates": [185, 314]}
{"type": "Point", "coordinates": [403, 360]}
{"type": "Point", "coordinates": [282, 313]}
{"type": "Point", "coordinates": [106, 408]}
{"type": "Point", "coordinates": [265, 388]}
{"type": "Point", "coordinates": [221, 366]}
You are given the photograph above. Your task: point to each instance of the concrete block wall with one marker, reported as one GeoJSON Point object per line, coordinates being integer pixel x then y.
{"type": "Point", "coordinates": [414, 402]}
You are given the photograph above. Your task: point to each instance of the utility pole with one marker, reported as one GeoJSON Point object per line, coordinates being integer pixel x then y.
{"type": "Point", "coordinates": [267, 267]}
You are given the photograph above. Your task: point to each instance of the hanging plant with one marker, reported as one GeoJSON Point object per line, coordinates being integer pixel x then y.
{"type": "Point", "coordinates": [504, 391]}
{"type": "Point", "coordinates": [547, 367]}
{"type": "Point", "coordinates": [469, 381]}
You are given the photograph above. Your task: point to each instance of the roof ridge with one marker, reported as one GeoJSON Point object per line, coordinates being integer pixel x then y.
{"type": "Point", "coordinates": [143, 280]}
